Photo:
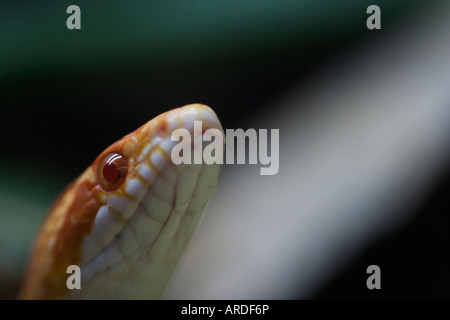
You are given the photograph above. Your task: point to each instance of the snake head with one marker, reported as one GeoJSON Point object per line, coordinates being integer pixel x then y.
{"type": "Point", "coordinates": [126, 220]}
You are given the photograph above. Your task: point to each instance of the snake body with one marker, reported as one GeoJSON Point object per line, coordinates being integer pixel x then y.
{"type": "Point", "coordinates": [127, 218]}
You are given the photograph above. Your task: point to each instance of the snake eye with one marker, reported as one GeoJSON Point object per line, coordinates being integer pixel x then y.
{"type": "Point", "coordinates": [112, 171]}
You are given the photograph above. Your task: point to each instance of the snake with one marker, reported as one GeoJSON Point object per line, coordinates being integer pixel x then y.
{"type": "Point", "coordinates": [126, 220]}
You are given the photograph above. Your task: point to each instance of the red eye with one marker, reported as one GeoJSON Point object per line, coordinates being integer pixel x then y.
{"type": "Point", "coordinates": [112, 171]}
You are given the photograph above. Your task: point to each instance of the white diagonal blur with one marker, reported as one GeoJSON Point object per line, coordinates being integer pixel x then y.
{"type": "Point", "coordinates": [358, 147]}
